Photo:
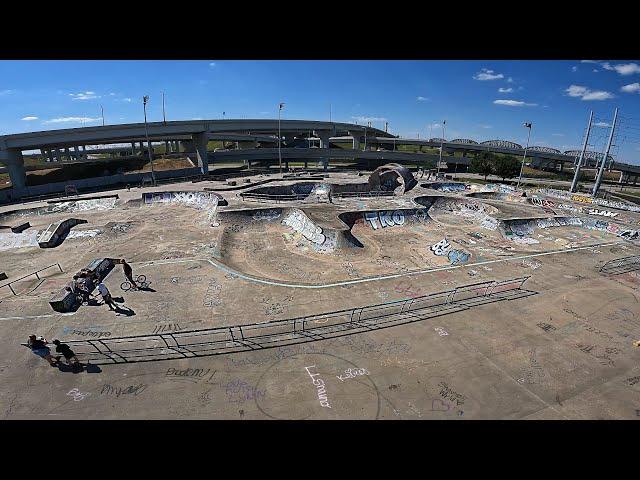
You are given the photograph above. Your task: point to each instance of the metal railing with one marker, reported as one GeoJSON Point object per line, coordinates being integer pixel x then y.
{"type": "Point", "coordinates": [621, 265]}
{"type": "Point", "coordinates": [32, 273]}
{"type": "Point", "coordinates": [257, 336]}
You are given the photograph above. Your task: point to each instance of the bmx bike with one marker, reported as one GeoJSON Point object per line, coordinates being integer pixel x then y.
{"type": "Point", "coordinates": [141, 280]}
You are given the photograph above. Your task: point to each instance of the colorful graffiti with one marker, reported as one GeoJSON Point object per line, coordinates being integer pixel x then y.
{"type": "Point", "coordinates": [455, 257]}
{"type": "Point", "coordinates": [301, 224]}
{"type": "Point", "coordinates": [389, 218]}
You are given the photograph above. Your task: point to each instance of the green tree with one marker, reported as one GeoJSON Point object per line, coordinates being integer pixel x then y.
{"type": "Point", "coordinates": [506, 167]}
{"type": "Point", "coordinates": [482, 164]}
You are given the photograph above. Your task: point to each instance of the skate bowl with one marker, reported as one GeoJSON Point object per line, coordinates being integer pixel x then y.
{"type": "Point", "coordinates": [70, 206]}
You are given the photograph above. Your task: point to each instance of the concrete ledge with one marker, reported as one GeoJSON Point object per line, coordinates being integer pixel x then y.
{"type": "Point", "coordinates": [56, 232]}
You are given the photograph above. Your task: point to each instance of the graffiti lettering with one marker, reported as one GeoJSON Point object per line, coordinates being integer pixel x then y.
{"type": "Point", "coordinates": [319, 383]}
{"type": "Point", "coordinates": [77, 395]}
{"type": "Point", "coordinates": [352, 373]}
{"type": "Point", "coordinates": [134, 390]}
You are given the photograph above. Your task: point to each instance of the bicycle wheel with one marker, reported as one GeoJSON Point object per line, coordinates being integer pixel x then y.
{"type": "Point", "coordinates": [125, 286]}
{"type": "Point", "coordinates": [141, 279]}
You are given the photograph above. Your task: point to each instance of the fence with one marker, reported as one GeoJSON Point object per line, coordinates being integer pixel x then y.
{"type": "Point", "coordinates": [257, 336]}
{"type": "Point", "coordinates": [33, 273]}
{"type": "Point", "coordinates": [621, 265]}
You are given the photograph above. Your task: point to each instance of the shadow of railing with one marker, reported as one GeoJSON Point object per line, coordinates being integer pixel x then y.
{"type": "Point", "coordinates": [621, 265]}
{"type": "Point", "coordinates": [259, 336]}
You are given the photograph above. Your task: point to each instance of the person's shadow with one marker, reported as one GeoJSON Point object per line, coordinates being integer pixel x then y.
{"type": "Point", "coordinates": [88, 367]}
{"type": "Point", "coordinates": [124, 311]}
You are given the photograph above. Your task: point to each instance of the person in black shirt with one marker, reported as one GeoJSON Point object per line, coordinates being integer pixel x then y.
{"type": "Point", "coordinates": [39, 347]}
{"type": "Point", "coordinates": [128, 272]}
{"type": "Point", "coordinates": [65, 350]}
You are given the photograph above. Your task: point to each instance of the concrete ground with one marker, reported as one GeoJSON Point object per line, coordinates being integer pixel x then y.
{"type": "Point", "coordinates": [562, 351]}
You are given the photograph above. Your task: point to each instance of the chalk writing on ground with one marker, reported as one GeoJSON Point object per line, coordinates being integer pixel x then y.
{"type": "Point", "coordinates": [319, 383]}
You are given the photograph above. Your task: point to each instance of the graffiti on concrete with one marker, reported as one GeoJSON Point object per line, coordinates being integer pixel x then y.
{"type": "Point", "coordinates": [541, 202]}
{"type": "Point", "coordinates": [303, 225]}
{"type": "Point", "coordinates": [603, 213]}
{"type": "Point", "coordinates": [450, 187]}
{"type": "Point", "coordinates": [585, 199]}
{"type": "Point", "coordinates": [443, 248]}
{"type": "Point", "coordinates": [389, 218]}
{"type": "Point", "coordinates": [266, 215]}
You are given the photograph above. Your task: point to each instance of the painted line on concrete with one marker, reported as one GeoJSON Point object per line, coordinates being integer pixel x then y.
{"type": "Point", "coordinates": [276, 283]}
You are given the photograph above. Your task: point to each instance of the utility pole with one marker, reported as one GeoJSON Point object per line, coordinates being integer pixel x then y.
{"type": "Point", "coordinates": [145, 99]}
{"type": "Point", "coordinates": [164, 117]}
{"type": "Point", "coordinates": [281, 106]}
{"type": "Point", "coordinates": [526, 125]}
{"type": "Point", "coordinates": [329, 112]}
{"type": "Point", "coordinates": [574, 183]}
{"type": "Point", "coordinates": [441, 143]}
{"type": "Point", "coordinates": [606, 154]}
{"type": "Point", "coordinates": [102, 110]}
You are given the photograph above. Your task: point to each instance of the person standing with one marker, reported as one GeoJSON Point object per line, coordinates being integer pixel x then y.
{"type": "Point", "coordinates": [106, 296]}
{"type": "Point", "coordinates": [39, 347]}
{"type": "Point", "coordinates": [69, 354]}
{"type": "Point", "coordinates": [128, 272]}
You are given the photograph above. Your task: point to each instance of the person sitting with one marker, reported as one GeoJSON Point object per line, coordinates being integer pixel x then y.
{"type": "Point", "coordinates": [39, 347]}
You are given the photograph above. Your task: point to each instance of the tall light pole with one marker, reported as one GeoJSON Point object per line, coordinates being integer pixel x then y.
{"type": "Point", "coordinates": [576, 174]}
{"type": "Point", "coordinates": [145, 99]}
{"type": "Point", "coordinates": [280, 107]}
{"type": "Point", "coordinates": [526, 125]}
{"type": "Point", "coordinates": [164, 117]}
{"type": "Point", "coordinates": [444, 122]}
{"type": "Point", "coordinates": [102, 110]}
{"type": "Point", "coordinates": [606, 154]}
{"type": "Point", "coordinates": [329, 112]}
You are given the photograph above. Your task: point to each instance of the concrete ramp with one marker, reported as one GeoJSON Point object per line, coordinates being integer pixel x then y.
{"type": "Point", "coordinates": [55, 233]}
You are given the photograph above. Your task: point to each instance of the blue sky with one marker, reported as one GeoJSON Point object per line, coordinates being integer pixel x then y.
{"type": "Point", "coordinates": [481, 100]}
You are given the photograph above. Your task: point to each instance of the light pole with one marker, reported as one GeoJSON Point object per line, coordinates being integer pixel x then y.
{"type": "Point", "coordinates": [102, 110]}
{"type": "Point", "coordinates": [145, 99]}
{"type": "Point", "coordinates": [280, 107]}
{"type": "Point", "coordinates": [444, 122]}
{"type": "Point", "coordinates": [164, 117]}
{"type": "Point", "coordinates": [526, 125]}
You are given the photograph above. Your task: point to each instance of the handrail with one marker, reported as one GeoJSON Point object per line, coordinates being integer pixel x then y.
{"type": "Point", "coordinates": [32, 273]}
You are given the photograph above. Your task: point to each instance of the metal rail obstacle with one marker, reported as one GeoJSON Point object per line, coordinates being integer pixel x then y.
{"type": "Point", "coordinates": [32, 273]}
{"type": "Point", "coordinates": [258, 336]}
{"type": "Point", "coordinates": [621, 265]}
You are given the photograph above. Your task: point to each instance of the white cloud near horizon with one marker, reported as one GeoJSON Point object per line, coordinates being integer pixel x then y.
{"type": "Point", "coordinates": [585, 93]}
{"type": "Point", "coordinates": [514, 103]}
{"type": "Point", "coordinates": [364, 119]}
{"type": "Point", "coordinates": [505, 90]}
{"type": "Point", "coordinates": [631, 88]}
{"type": "Point", "coordinates": [486, 74]}
{"type": "Point", "coordinates": [623, 68]}
{"type": "Point", "coordinates": [28, 119]}
{"type": "Point", "coordinates": [84, 96]}
{"type": "Point", "coordinates": [73, 120]}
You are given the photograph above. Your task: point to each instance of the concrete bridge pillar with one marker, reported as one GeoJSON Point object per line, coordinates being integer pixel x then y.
{"type": "Point", "coordinates": [176, 147]}
{"type": "Point", "coordinates": [324, 138]}
{"type": "Point", "coordinates": [133, 148]}
{"type": "Point", "coordinates": [58, 155]}
{"type": "Point", "coordinates": [50, 155]}
{"type": "Point", "coordinates": [67, 154]}
{"type": "Point", "coordinates": [76, 150]}
{"type": "Point", "coordinates": [200, 141]}
{"type": "Point", "coordinates": [141, 148]}
{"type": "Point", "coordinates": [356, 140]}
{"type": "Point", "coordinates": [289, 139]}
{"type": "Point", "coordinates": [17, 173]}
{"type": "Point", "coordinates": [166, 147]}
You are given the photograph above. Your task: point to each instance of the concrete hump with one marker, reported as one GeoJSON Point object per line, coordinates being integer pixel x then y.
{"type": "Point", "coordinates": [55, 233]}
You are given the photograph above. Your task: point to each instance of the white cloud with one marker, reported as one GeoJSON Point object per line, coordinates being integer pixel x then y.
{"type": "Point", "coordinates": [588, 61]}
{"type": "Point", "coordinates": [505, 90]}
{"type": "Point", "coordinates": [485, 126]}
{"type": "Point", "coordinates": [212, 64]}
{"type": "Point", "coordinates": [595, 70]}
{"type": "Point", "coordinates": [601, 124]}
{"type": "Point", "coordinates": [485, 74]}
{"type": "Point", "coordinates": [631, 88]}
{"type": "Point", "coordinates": [509, 80]}
{"type": "Point", "coordinates": [111, 94]}
{"type": "Point", "coordinates": [127, 99]}
{"type": "Point", "coordinates": [557, 134]}
{"type": "Point", "coordinates": [586, 94]}
{"type": "Point", "coordinates": [363, 119]}
{"type": "Point", "coordinates": [28, 119]}
{"type": "Point", "coordinates": [623, 68]}
{"type": "Point", "coordinates": [73, 120]}
{"type": "Point", "coordinates": [84, 96]}
{"type": "Point", "coordinates": [422, 99]}
{"type": "Point", "coordinates": [514, 103]}
{"type": "Point", "coordinates": [574, 68]}
{"type": "Point", "coordinates": [6, 92]}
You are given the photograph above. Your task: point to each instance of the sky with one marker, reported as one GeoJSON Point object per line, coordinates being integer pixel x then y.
{"type": "Point", "coordinates": [480, 100]}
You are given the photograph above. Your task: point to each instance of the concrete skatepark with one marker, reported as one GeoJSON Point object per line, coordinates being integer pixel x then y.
{"type": "Point", "coordinates": [337, 297]}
